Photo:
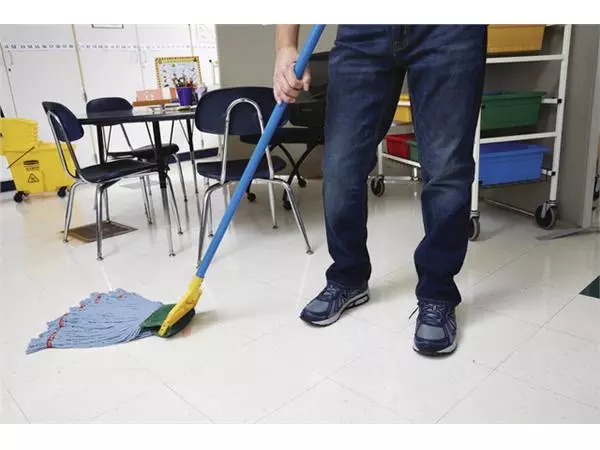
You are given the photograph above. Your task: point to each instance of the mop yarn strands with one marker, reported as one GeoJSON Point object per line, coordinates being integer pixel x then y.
{"type": "Point", "coordinates": [100, 320]}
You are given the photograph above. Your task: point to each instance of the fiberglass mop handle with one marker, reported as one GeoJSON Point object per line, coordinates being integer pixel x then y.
{"type": "Point", "coordinates": [257, 155]}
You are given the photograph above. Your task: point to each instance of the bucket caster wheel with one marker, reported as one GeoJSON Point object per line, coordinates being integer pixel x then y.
{"type": "Point", "coordinates": [548, 220]}
{"type": "Point", "coordinates": [251, 196]}
{"type": "Point", "coordinates": [62, 192]}
{"type": "Point", "coordinates": [474, 228]}
{"type": "Point", "coordinates": [301, 182]}
{"type": "Point", "coordinates": [378, 186]}
{"type": "Point", "coordinates": [18, 197]}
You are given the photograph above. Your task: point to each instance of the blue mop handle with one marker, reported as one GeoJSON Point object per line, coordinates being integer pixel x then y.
{"type": "Point", "coordinates": [259, 151]}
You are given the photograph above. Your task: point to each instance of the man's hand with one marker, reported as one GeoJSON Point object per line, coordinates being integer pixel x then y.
{"type": "Point", "coordinates": [286, 87]}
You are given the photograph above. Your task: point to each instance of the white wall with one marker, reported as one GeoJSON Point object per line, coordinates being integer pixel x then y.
{"type": "Point", "coordinates": [41, 62]}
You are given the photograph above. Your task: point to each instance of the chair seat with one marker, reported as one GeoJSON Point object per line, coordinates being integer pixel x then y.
{"type": "Point", "coordinates": [112, 170]}
{"type": "Point", "coordinates": [147, 151]}
{"type": "Point", "coordinates": [206, 153]}
{"type": "Point", "coordinates": [236, 168]}
{"type": "Point", "coordinates": [290, 135]}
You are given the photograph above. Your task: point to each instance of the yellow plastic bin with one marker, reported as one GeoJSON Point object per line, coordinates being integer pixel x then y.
{"type": "Point", "coordinates": [35, 166]}
{"type": "Point", "coordinates": [515, 38]}
{"type": "Point", "coordinates": [403, 113]}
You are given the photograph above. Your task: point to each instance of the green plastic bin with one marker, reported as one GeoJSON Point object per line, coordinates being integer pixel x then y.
{"type": "Point", "coordinates": [414, 151]}
{"type": "Point", "coordinates": [510, 109]}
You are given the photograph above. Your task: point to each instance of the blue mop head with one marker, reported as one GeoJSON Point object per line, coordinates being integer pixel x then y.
{"type": "Point", "coordinates": [101, 319]}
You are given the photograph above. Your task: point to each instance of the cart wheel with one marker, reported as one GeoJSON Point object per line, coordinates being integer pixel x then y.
{"type": "Point", "coordinates": [474, 228]}
{"type": "Point", "coordinates": [378, 186]}
{"type": "Point", "coordinates": [287, 205]}
{"type": "Point", "coordinates": [547, 221]}
{"type": "Point", "coordinates": [62, 191]}
{"type": "Point", "coordinates": [18, 197]}
{"type": "Point", "coordinates": [251, 197]}
{"type": "Point", "coordinates": [301, 182]}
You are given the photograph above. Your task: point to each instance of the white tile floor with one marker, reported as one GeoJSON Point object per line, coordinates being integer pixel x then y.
{"type": "Point", "coordinates": [529, 345]}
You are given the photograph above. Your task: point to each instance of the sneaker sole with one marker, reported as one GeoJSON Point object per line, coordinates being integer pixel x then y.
{"type": "Point", "coordinates": [358, 300]}
{"type": "Point", "coordinates": [445, 351]}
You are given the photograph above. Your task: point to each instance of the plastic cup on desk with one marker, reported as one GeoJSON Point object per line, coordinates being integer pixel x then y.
{"type": "Point", "coordinates": [185, 95]}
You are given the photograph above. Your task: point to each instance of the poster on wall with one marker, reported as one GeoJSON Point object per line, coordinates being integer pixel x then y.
{"type": "Point", "coordinates": [170, 69]}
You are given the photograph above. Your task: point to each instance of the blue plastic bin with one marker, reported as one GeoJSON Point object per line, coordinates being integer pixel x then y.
{"type": "Point", "coordinates": [510, 162]}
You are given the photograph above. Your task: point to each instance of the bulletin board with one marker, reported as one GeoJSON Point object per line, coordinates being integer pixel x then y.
{"type": "Point", "coordinates": [171, 67]}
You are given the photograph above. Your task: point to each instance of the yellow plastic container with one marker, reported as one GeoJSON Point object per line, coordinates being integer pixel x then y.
{"type": "Point", "coordinates": [515, 38]}
{"type": "Point", "coordinates": [35, 166]}
{"type": "Point", "coordinates": [403, 113]}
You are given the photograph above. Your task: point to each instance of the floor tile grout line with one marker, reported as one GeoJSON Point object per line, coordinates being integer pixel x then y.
{"type": "Point", "coordinates": [551, 391]}
{"type": "Point", "coordinates": [18, 405]}
{"type": "Point", "coordinates": [310, 388]}
{"type": "Point", "coordinates": [116, 407]}
{"type": "Point", "coordinates": [561, 310]}
{"type": "Point", "coordinates": [370, 399]}
{"type": "Point", "coordinates": [166, 384]}
{"type": "Point", "coordinates": [500, 371]}
{"type": "Point", "coordinates": [378, 346]}
{"type": "Point", "coordinates": [460, 400]}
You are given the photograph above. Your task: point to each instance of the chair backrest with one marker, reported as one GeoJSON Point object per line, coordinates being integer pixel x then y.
{"type": "Point", "coordinates": [108, 104]}
{"type": "Point", "coordinates": [65, 128]}
{"type": "Point", "coordinates": [237, 111]}
{"type": "Point", "coordinates": [211, 112]}
{"type": "Point", "coordinates": [63, 120]}
{"type": "Point", "coordinates": [319, 70]}
{"type": "Point", "coordinates": [111, 104]}
{"type": "Point", "coordinates": [309, 109]}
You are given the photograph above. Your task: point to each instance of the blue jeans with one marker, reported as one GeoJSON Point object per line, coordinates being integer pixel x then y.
{"type": "Point", "coordinates": [445, 68]}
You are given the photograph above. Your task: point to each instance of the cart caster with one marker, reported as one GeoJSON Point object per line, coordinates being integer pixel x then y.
{"type": "Point", "coordinates": [18, 197]}
{"type": "Point", "coordinates": [62, 192]}
{"type": "Point", "coordinates": [301, 182]}
{"type": "Point", "coordinates": [474, 228]}
{"type": "Point", "coordinates": [378, 186]}
{"type": "Point", "coordinates": [251, 196]}
{"type": "Point", "coordinates": [287, 205]}
{"type": "Point", "coordinates": [548, 220]}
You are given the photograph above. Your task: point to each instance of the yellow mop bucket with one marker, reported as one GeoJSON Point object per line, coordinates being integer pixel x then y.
{"type": "Point", "coordinates": [35, 166]}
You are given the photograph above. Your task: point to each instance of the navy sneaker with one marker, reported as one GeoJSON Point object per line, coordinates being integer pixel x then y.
{"type": "Point", "coordinates": [327, 307]}
{"type": "Point", "coordinates": [435, 333]}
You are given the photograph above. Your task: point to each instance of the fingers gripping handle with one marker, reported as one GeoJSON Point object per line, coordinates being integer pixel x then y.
{"type": "Point", "coordinates": [259, 151]}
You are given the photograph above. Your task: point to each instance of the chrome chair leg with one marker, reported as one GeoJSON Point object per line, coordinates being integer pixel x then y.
{"type": "Point", "coordinates": [296, 211]}
{"type": "Point", "coordinates": [69, 211]}
{"type": "Point", "coordinates": [185, 199]}
{"type": "Point", "coordinates": [165, 203]}
{"type": "Point", "coordinates": [175, 208]}
{"type": "Point", "coordinates": [105, 193]}
{"type": "Point", "coordinates": [210, 214]}
{"type": "Point", "coordinates": [272, 205]}
{"type": "Point", "coordinates": [99, 196]}
{"type": "Point", "coordinates": [205, 216]}
{"type": "Point", "coordinates": [146, 200]}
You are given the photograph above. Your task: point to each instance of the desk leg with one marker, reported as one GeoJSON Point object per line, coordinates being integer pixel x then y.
{"type": "Point", "coordinates": [162, 178]}
{"type": "Point", "coordinates": [100, 137]}
{"type": "Point", "coordinates": [190, 135]}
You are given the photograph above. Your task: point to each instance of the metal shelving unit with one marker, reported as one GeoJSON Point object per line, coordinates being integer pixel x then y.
{"type": "Point", "coordinates": [546, 214]}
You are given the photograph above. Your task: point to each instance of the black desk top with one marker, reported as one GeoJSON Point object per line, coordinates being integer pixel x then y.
{"type": "Point", "coordinates": [137, 115]}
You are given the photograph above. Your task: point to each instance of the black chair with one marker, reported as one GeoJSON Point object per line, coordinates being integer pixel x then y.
{"type": "Point", "coordinates": [307, 115]}
{"type": "Point", "coordinates": [66, 128]}
{"type": "Point", "coordinates": [145, 153]}
{"type": "Point", "coordinates": [239, 111]}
